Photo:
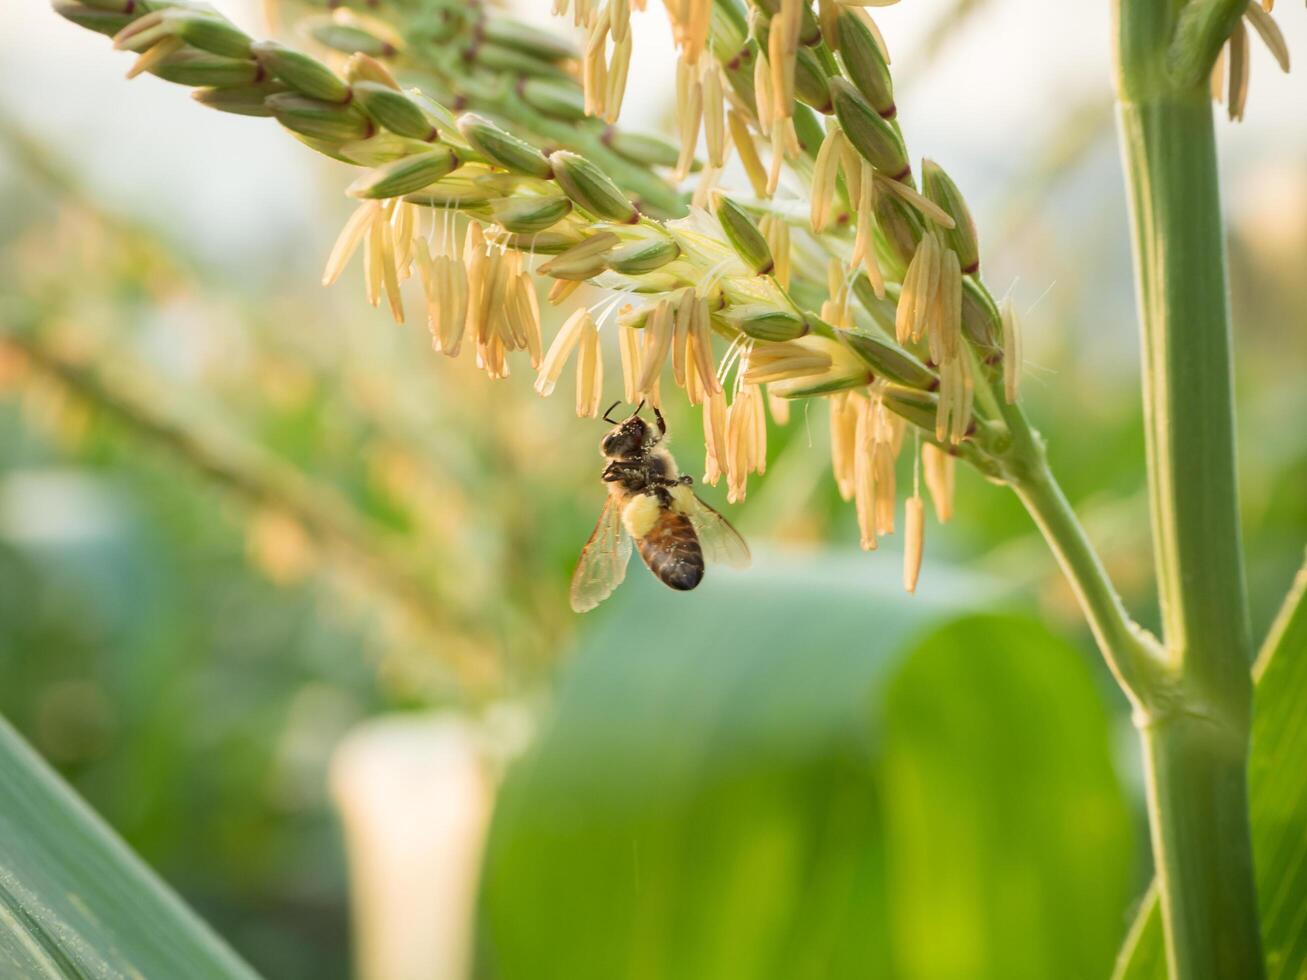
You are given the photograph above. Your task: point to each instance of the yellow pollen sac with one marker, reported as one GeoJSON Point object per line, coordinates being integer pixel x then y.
{"type": "Point", "coordinates": [639, 515]}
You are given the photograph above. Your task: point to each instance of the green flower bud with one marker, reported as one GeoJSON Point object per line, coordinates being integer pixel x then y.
{"type": "Point", "coordinates": [876, 139]}
{"type": "Point", "coordinates": [939, 187]}
{"type": "Point", "coordinates": [394, 110]}
{"type": "Point", "coordinates": [560, 99]}
{"type": "Point", "coordinates": [211, 33]}
{"type": "Point", "coordinates": [432, 29]}
{"type": "Point", "coordinates": [241, 100]}
{"type": "Point", "coordinates": [349, 39]}
{"type": "Point", "coordinates": [108, 22]}
{"type": "Point", "coordinates": [500, 60]}
{"type": "Point", "coordinates": [326, 121]}
{"type": "Point", "coordinates": [809, 128]}
{"type": "Point", "coordinates": [902, 230]}
{"type": "Point", "coordinates": [653, 283]}
{"type": "Point", "coordinates": [744, 236]}
{"type": "Point", "coordinates": [381, 148]}
{"type": "Point", "coordinates": [865, 64]}
{"type": "Point", "coordinates": [198, 28]}
{"type": "Point", "coordinates": [530, 40]}
{"type": "Point", "coordinates": [112, 6]}
{"type": "Point", "coordinates": [982, 324]}
{"type": "Point", "coordinates": [810, 81]}
{"type": "Point", "coordinates": [583, 259]}
{"type": "Point", "coordinates": [765, 322]}
{"type": "Point", "coordinates": [452, 196]}
{"type": "Point", "coordinates": [888, 360]}
{"type": "Point", "coordinates": [591, 189]}
{"type": "Point", "coordinates": [918, 407]}
{"type": "Point", "coordinates": [190, 66]}
{"type": "Point", "coordinates": [306, 75]}
{"type": "Point", "coordinates": [527, 215]}
{"type": "Point", "coordinates": [649, 151]}
{"type": "Point", "coordinates": [541, 243]}
{"type": "Point", "coordinates": [637, 258]}
{"type": "Point", "coordinates": [503, 148]}
{"type": "Point", "coordinates": [405, 175]}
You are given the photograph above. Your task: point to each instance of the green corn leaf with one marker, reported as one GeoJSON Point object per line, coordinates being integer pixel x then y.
{"type": "Point", "coordinates": [1277, 787]}
{"type": "Point", "coordinates": [709, 801]}
{"type": "Point", "coordinates": [75, 902]}
{"type": "Point", "coordinates": [1006, 829]}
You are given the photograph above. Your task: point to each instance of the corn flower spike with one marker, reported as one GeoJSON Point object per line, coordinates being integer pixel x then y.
{"type": "Point", "coordinates": [714, 437]}
{"type": "Point", "coordinates": [569, 335]}
{"type": "Point", "coordinates": [589, 372]}
{"type": "Point", "coordinates": [657, 342]}
{"type": "Point", "coordinates": [354, 232]}
{"type": "Point", "coordinates": [682, 321]}
{"type": "Point", "coordinates": [701, 344]}
{"type": "Point", "coordinates": [938, 470]}
{"type": "Point", "coordinates": [746, 441]}
{"type": "Point", "coordinates": [714, 116]}
{"type": "Point", "coordinates": [864, 469]}
{"type": "Point", "coordinates": [844, 409]}
{"type": "Point", "coordinates": [594, 66]}
{"type": "Point", "coordinates": [776, 231]}
{"type": "Point", "coordinates": [824, 172]}
{"type": "Point", "coordinates": [914, 521]}
{"type": "Point", "coordinates": [747, 151]}
{"type": "Point", "coordinates": [689, 113]}
{"type": "Point", "coordinates": [578, 202]}
{"type": "Point", "coordinates": [628, 341]}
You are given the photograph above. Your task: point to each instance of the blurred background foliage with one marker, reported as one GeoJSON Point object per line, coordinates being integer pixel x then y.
{"type": "Point", "coordinates": [241, 515]}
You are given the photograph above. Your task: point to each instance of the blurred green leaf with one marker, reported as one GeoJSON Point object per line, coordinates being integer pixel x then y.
{"type": "Point", "coordinates": [1277, 789]}
{"type": "Point", "coordinates": [75, 902]}
{"type": "Point", "coordinates": [710, 801]}
{"type": "Point", "coordinates": [1009, 841]}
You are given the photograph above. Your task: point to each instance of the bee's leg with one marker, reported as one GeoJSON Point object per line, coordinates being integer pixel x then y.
{"type": "Point", "coordinates": [663, 495]}
{"type": "Point", "coordinates": [629, 475]}
{"type": "Point", "coordinates": [617, 471]}
{"type": "Point", "coordinates": [685, 480]}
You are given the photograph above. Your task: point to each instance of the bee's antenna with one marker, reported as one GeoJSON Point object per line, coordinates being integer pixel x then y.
{"type": "Point", "coordinates": [610, 412]}
{"type": "Point", "coordinates": [638, 407]}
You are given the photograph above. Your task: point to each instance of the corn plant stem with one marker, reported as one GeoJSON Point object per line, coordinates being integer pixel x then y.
{"type": "Point", "coordinates": [1196, 731]}
{"type": "Point", "coordinates": [1132, 655]}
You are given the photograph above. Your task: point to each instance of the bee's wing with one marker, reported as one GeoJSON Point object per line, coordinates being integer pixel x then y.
{"type": "Point", "coordinates": [721, 543]}
{"type": "Point", "coordinates": [603, 560]}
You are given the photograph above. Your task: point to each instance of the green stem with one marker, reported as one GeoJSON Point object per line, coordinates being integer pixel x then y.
{"type": "Point", "coordinates": [1132, 655]}
{"type": "Point", "coordinates": [1196, 734]}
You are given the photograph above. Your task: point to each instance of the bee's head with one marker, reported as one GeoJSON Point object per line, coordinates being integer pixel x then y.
{"type": "Point", "coordinates": [628, 437]}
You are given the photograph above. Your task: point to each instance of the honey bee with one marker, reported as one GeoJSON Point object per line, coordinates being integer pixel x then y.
{"type": "Point", "coordinates": [651, 503]}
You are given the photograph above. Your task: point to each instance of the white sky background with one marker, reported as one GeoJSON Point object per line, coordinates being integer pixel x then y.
{"type": "Point", "coordinates": [239, 189]}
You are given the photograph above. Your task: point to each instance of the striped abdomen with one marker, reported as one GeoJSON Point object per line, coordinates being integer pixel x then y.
{"type": "Point", "coordinates": [671, 550]}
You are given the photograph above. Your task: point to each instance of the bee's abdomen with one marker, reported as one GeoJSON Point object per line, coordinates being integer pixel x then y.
{"type": "Point", "coordinates": [671, 550]}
